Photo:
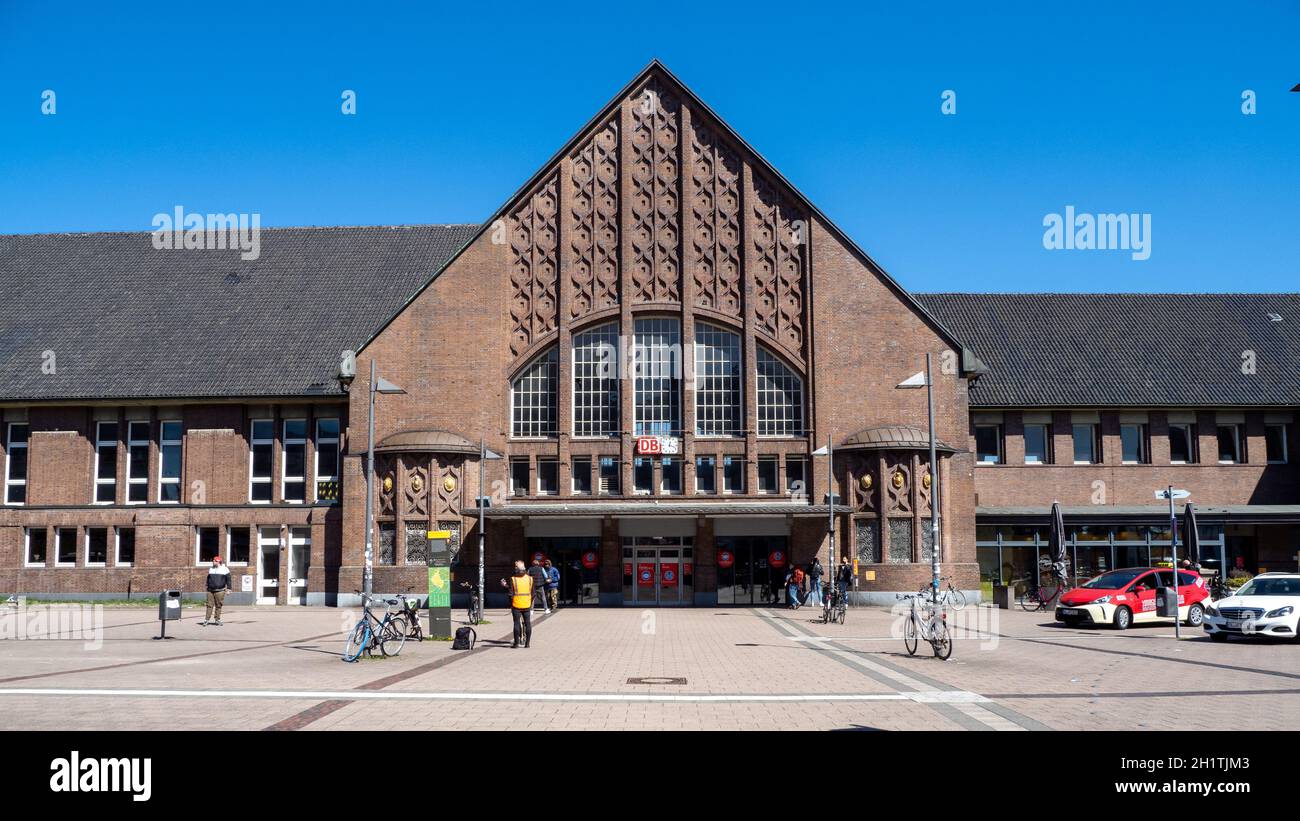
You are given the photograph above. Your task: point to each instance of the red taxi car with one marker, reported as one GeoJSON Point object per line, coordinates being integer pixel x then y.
{"type": "Point", "coordinates": [1123, 597]}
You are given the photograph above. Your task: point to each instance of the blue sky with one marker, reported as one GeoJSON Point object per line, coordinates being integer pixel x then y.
{"type": "Point", "coordinates": [1108, 107]}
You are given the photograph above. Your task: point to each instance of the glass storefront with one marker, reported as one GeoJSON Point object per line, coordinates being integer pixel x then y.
{"type": "Point", "coordinates": [748, 569]}
{"type": "Point", "coordinates": [579, 585]}
{"type": "Point", "coordinates": [658, 570]}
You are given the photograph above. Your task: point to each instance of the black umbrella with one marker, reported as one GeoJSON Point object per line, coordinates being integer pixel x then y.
{"type": "Point", "coordinates": [1056, 543]}
{"type": "Point", "coordinates": [1192, 535]}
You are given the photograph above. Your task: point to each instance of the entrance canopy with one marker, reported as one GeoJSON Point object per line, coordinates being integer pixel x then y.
{"type": "Point", "coordinates": [539, 509]}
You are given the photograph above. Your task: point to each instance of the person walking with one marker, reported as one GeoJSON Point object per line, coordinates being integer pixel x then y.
{"type": "Point", "coordinates": [552, 585]}
{"type": "Point", "coordinates": [815, 573]}
{"type": "Point", "coordinates": [218, 585]}
{"type": "Point", "coordinates": [539, 585]}
{"type": "Point", "coordinates": [521, 604]}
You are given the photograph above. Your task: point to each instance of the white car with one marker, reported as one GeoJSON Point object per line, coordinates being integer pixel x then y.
{"type": "Point", "coordinates": [1267, 605]}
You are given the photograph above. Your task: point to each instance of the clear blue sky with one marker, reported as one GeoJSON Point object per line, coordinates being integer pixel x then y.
{"type": "Point", "coordinates": [1107, 106]}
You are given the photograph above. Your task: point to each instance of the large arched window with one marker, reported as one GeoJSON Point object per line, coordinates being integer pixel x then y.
{"type": "Point", "coordinates": [717, 381]}
{"type": "Point", "coordinates": [657, 368]}
{"type": "Point", "coordinates": [595, 381]}
{"type": "Point", "coordinates": [532, 397]}
{"type": "Point", "coordinates": [780, 397]}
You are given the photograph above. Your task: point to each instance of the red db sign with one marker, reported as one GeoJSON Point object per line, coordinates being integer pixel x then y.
{"type": "Point", "coordinates": [726, 558]}
{"type": "Point", "coordinates": [776, 558]}
{"type": "Point", "coordinates": [590, 559]}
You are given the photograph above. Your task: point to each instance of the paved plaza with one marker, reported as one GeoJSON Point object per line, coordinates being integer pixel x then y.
{"type": "Point", "coordinates": [614, 669]}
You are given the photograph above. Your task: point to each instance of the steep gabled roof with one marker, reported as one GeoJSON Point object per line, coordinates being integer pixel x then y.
{"type": "Point", "coordinates": [125, 320]}
{"type": "Point", "coordinates": [1086, 350]}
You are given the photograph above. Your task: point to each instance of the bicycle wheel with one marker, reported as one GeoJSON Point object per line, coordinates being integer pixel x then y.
{"type": "Point", "coordinates": [941, 640]}
{"type": "Point", "coordinates": [358, 640]}
{"type": "Point", "coordinates": [840, 613]}
{"type": "Point", "coordinates": [909, 635]}
{"type": "Point", "coordinates": [958, 600]}
{"type": "Point", "coordinates": [414, 627]}
{"type": "Point", "coordinates": [392, 636]}
{"type": "Point", "coordinates": [1029, 601]}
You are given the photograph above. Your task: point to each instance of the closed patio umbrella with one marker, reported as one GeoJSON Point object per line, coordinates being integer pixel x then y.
{"type": "Point", "coordinates": [1192, 535]}
{"type": "Point", "coordinates": [1056, 544]}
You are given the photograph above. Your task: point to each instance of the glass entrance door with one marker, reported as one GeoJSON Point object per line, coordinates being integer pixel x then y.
{"type": "Point", "coordinates": [268, 564]}
{"type": "Point", "coordinates": [662, 571]}
{"type": "Point", "coordinates": [299, 564]}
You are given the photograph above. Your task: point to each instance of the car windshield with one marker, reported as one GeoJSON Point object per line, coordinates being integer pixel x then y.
{"type": "Point", "coordinates": [1113, 580]}
{"type": "Point", "coordinates": [1270, 587]}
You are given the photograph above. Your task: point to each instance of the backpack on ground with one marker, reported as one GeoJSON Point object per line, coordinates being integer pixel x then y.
{"type": "Point", "coordinates": [465, 639]}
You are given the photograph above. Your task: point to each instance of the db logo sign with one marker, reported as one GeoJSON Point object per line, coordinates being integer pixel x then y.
{"type": "Point", "coordinates": [649, 445]}
{"type": "Point", "coordinates": [776, 558]}
{"type": "Point", "coordinates": [590, 560]}
{"type": "Point", "coordinates": [726, 558]}
{"type": "Point", "coordinates": [645, 575]}
{"type": "Point", "coordinates": [539, 557]}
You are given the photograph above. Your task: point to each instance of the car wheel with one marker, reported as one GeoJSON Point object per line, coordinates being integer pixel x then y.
{"type": "Point", "coordinates": [1219, 637]}
{"type": "Point", "coordinates": [1123, 618]}
{"type": "Point", "coordinates": [1195, 615]}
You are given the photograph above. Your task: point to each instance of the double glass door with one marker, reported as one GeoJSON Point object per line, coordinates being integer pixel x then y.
{"type": "Point", "coordinates": [751, 569]}
{"type": "Point", "coordinates": [658, 571]}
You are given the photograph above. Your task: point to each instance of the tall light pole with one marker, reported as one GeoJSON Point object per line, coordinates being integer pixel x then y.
{"type": "Point", "coordinates": [829, 453]}
{"type": "Point", "coordinates": [483, 456]}
{"type": "Point", "coordinates": [916, 381]}
{"type": "Point", "coordinates": [1170, 492]}
{"type": "Point", "coordinates": [377, 385]}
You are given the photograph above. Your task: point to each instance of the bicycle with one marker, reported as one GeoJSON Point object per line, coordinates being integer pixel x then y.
{"type": "Point", "coordinates": [834, 607]}
{"type": "Point", "coordinates": [388, 633]}
{"type": "Point", "coordinates": [410, 615]}
{"type": "Point", "coordinates": [950, 595]}
{"type": "Point", "coordinates": [475, 609]}
{"type": "Point", "coordinates": [1040, 596]}
{"type": "Point", "coordinates": [933, 627]}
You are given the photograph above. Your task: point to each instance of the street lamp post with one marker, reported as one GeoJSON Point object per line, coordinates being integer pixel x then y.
{"type": "Point", "coordinates": [1170, 492]}
{"type": "Point", "coordinates": [829, 453]}
{"type": "Point", "coordinates": [916, 381]}
{"type": "Point", "coordinates": [377, 385]}
{"type": "Point", "coordinates": [483, 456]}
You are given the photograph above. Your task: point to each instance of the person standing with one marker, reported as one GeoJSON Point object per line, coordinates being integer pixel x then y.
{"type": "Point", "coordinates": [844, 578]}
{"type": "Point", "coordinates": [552, 585]}
{"type": "Point", "coordinates": [218, 585]}
{"type": "Point", "coordinates": [539, 585]}
{"type": "Point", "coordinates": [815, 582]}
{"type": "Point", "coordinates": [521, 604]}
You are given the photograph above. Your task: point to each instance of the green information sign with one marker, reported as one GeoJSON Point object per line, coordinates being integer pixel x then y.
{"type": "Point", "coordinates": [439, 587]}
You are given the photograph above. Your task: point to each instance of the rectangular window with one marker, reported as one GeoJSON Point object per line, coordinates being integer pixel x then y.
{"type": "Point", "coordinates": [548, 477]}
{"type": "Point", "coordinates": [327, 460]}
{"type": "Point", "coordinates": [1229, 444]}
{"type": "Point", "coordinates": [262, 457]}
{"type": "Point", "coordinates": [733, 474]}
{"type": "Point", "coordinates": [595, 382]}
{"type": "Point", "coordinates": [16, 464]}
{"type": "Point", "coordinates": [643, 474]}
{"type": "Point", "coordinates": [36, 545]}
{"type": "Point", "coordinates": [1036, 445]}
{"type": "Point", "coordinates": [767, 474]}
{"type": "Point", "coordinates": [706, 477]}
{"type": "Point", "coordinates": [518, 477]}
{"type": "Point", "coordinates": [65, 547]}
{"type": "Point", "coordinates": [671, 475]}
{"type": "Point", "coordinates": [988, 444]}
{"type": "Point", "coordinates": [125, 551]}
{"type": "Point", "coordinates": [238, 540]}
{"type": "Point", "coordinates": [1085, 444]}
{"type": "Point", "coordinates": [795, 476]}
{"type": "Point", "coordinates": [1133, 441]}
{"type": "Point", "coordinates": [610, 480]}
{"type": "Point", "coordinates": [207, 545]}
{"type": "Point", "coordinates": [169, 461]}
{"type": "Point", "coordinates": [717, 381]}
{"type": "Point", "coordinates": [96, 546]}
{"type": "Point", "coordinates": [1275, 443]}
{"type": "Point", "coordinates": [657, 368]}
{"type": "Point", "coordinates": [1182, 444]}
{"type": "Point", "coordinates": [137, 462]}
{"type": "Point", "coordinates": [105, 463]}
{"type": "Point", "coordinates": [293, 486]}
{"type": "Point", "coordinates": [582, 476]}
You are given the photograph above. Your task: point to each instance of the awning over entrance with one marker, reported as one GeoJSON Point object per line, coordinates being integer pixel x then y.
{"type": "Point", "coordinates": [1141, 513]}
{"type": "Point", "coordinates": [534, 509]}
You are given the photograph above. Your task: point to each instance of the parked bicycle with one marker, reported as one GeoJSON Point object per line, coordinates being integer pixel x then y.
{"type": "Point", "coordinates": [475, 609]}
{"type": "Point", "coordinates": [949, 594]}
{"type": "Point", "coordinates": [1040, 596]}
{"type": "Point", "coordinates": [927, 621]}
{"type": "Point", "coordinates": [834, 606]}
{"type": "Point", "coordinates": [388, 634]}
{"type": "Point", "coordinates": [409, 615]}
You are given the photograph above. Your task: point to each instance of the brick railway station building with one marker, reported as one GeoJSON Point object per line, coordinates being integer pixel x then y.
{"type": "Point", "coordinates": [655, 333]}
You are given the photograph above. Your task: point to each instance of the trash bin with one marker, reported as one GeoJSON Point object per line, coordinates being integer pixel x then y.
{"type": "Point", "coordinates": [1004, 596]}
{"type": "Point", "coordinates": [1167, 602]}
{"type": "Point", "coordinates": [169, 605]}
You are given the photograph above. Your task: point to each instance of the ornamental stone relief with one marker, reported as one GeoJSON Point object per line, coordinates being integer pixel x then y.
{"type": "Point", "coordinates": [655, 194]}
{"type": "Point", "coordinates": [534, 241]}
{"type": "Point", "coordinates": [715, 208]}
{"type": "Point", "coordinates": [780, 243]}
{"type": "Point", "coordinates": [594, 214]}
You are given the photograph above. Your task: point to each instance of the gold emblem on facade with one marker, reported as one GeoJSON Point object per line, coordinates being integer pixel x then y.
{"type": "Point", "coordinates": [898, 480]}
{"type": "Point", "coordinates": [866, 481]}
{"type": "Point", "coordinates": [449, 484]}
{"type": "Point", "coordinates": [388, 484]}
{"type": "Point", "coordinates": [417, 484]}
{"type": "Point", "coordinates": [925, 480]}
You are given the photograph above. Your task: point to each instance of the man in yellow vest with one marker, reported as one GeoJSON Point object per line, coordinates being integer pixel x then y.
{"type": "Point", "coordinates": [521, 603]}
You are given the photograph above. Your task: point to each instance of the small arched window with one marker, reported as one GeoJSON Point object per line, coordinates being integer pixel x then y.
{"type": "Point", "coordinates": [780, 397]}
{"type": "Point", "coordinates": [717, 381]}
{"type": "Point", "coordinates": [533, 397]}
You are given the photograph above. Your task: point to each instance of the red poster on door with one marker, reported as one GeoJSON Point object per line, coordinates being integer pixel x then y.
{"type": "Point", "coordinates": [776, 558]}
{"type": "Point", "coordinates": [627, 568]}
{"type": "Point", "coordinates": [668, 575]}
{"type": "Point", "coordinates": [688, 569]}
{"type": "Point", "coordinates": [590, 559]}
{"type": "Point", "coordinates": [645, 574]}
{"type": "Point", "coordinates": [726, 559]}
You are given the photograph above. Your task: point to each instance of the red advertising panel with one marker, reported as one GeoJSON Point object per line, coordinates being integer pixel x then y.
{"type": "Point", "coordinates": [645, 574]}
{"type": "Point", "coordinates": [668, 574]}
{"type": "Point", "coordinates": [627, 568]}
{"type": "Point", "coordinates": [776, 558]}
{"type": "Point", "coordinates": [590, 559]}
{"type": "Point", "coordinates": [539, 557]}
{"type": "Point", "coordinates": [726, 559]}
{"type": "Point", "coordinates": [688, 569]}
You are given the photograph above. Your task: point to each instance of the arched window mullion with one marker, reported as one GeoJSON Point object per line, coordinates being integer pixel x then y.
{"type": "Point", "coordinates": [534, 412]}
{"type": "Point", "coordinates": [780, 397]}
{"type": "Point", "coordinates": [718, 381]}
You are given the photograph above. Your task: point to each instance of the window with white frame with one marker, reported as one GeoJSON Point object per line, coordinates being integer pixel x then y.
{"type": "Point", "coordinates": [769, 469]}
{"type": "Point", "coordinates": [1182, 444]}
{"type": "Point", "coordinates": [706, 474]}
{"type": "Point", "coordinates": [548, 477]}
{"type": "Point", "coordinates": [796, 471]}
{"type": "Point", "coordinates": [717, 381]}
{"type": "Point", "coordinates": [733, 474]}
{"type": "Point", "coordinates": [293, 487]}
{"type": "Point", "coordinates": [262, 456]}
{"type": "Point", "coordinates": [1275, 443]}
{"type": "Point", "coordinates": [1133, 443]}
{"type": "Point", "coordinates": [137, 463]}
{"type": "Point", "coordinates": [238, 540]}
{"type": "Point", "coordinates": [16, 463]}
{"type": "Point", "coordinates": [207, 545]}
{"type": "Point", "coordinates": [36, 545]}
{"type": "Point", "coordinates": [105, 463]}
{"type": "Point", "coordinates": [124, 552]}
{"type": "Point", "coordinates": [534, 413]}
{"type": "Point", "coordinates": [595, 381]}
{"type": "Point", "coordinates": [988, 444]}
{"type": "Point", "coordinates": [1037, 445]}
{"type": "Point", "coordinates": [96, 546]}
{"type": "Point", "coordinates": [657, 368]}
{"type": "Point", "coordinates": [327, 460]}
{"type": "Point", "coordinates": [169, 461]}
{"type": "Point", "coordinates": [1229, 444]}
{"type": "Point", "coordinates": [65, 547]}
{"type": "Point", "coordinates": [1086, 449]}
{"type": "Point", "coordinates": [610, 476]}
{"type": "Point", "coordinates": [780, 397]}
